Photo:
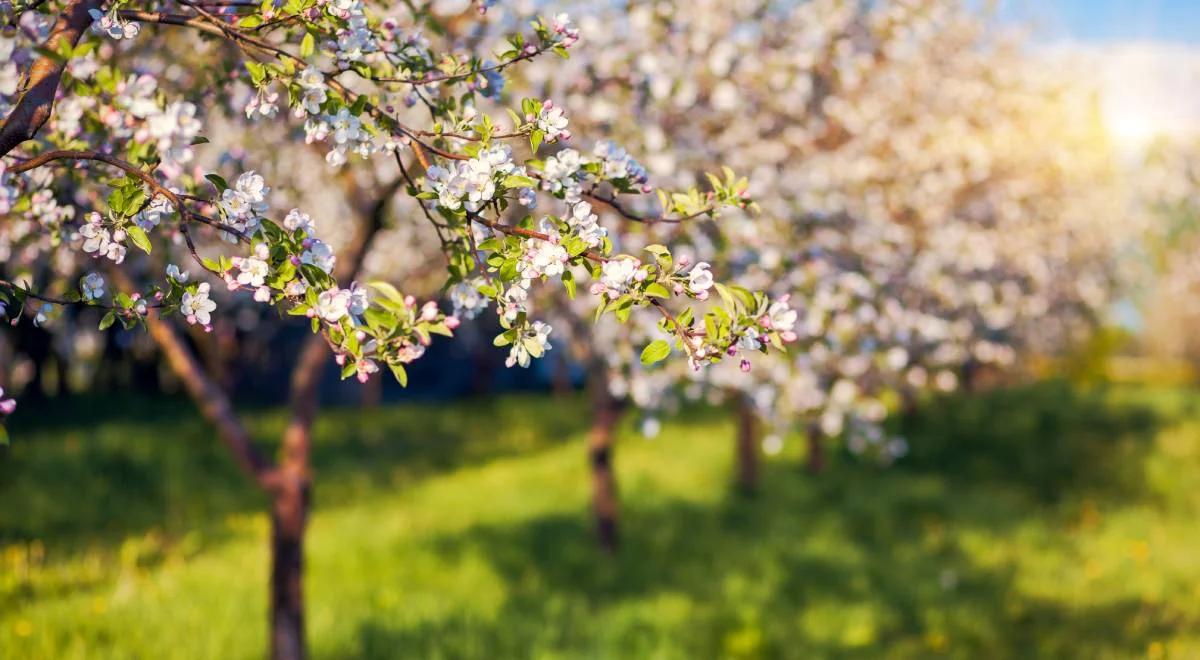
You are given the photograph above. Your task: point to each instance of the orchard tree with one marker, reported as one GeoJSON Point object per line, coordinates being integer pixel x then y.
{"type": "Point", "coordinates": [116, 196]}
{"type": "Point", "coordinates": [928, 201]}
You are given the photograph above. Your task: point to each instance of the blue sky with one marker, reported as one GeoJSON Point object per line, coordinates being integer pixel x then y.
{"type": "Point", "coordinates": [1099, 21]}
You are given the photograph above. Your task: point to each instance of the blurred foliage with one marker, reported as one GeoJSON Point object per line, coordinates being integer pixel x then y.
{"type": "Point", "coordinates": [1047, 521]}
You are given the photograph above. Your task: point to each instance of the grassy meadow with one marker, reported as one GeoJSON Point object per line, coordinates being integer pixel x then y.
{"type": "Point", "coordinates": [1045, 521]}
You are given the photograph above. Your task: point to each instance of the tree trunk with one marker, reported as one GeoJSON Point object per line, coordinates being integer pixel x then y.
{"type": "Point", "coordinates": [289, 516]}
{"type": "Point", "coordinates": [747, 447]}
{"type": "Point", "coordinates": [291, 504]}
{"type": "Point", "coordinates": [816, 448]}
{"type": "Point", "coordinates": [605, 415]}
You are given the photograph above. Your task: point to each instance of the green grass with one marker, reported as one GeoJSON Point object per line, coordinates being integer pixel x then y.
{"type": "Point", "coordinates": [1041, 522]}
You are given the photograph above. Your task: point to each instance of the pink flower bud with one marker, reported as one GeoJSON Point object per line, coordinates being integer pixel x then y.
{"type": "Point", "coordinates": [340, 358]}
{"type": "Point", "coordinates": [788, 336]}
{"type": "Point", "coordinates": [452, 322]}
{"type": "Point", "coordinates": [7, 406]}
{"type": "Point", "coordinates": [745, 366]}
{"type": "Point", "coordinates": [311, 313]}
{"type": "Point", "coordinates": [410, 301]}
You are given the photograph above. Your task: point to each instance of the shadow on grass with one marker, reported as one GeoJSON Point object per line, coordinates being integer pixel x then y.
{"type": "Point", "coordinates": [858, 564]}
{"type": "Point", "coordinates": [142, 466]}
{"type": "Point", "coordinates": [1051, 439]}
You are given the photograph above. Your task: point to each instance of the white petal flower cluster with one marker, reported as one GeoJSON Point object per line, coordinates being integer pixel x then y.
{"type": "Point", "coordinates": [297, 220]}
{"type": "Point", "coordinates": [245, 203]}
{"type": "Point", "coordinates": [111, 25]}
{"type": "Point", "coordinates": [312, 81]}
{"type": "Point", "coordinates": [263, 104]}
{"type": "Point", "coordinates": [618, 164]}
{"type": "Point", "coordinates": [700, 280]}
{"type": "Point", "coordinates": [616, 276]}
{"type": "Point", "coordinates": [99, 241]}
{"type": "Point", "coordinates": [253, 273]}
{"type": "Point", "coordinates": [552, 122]}
{"type": "Point", "coordinates": [92, 286]}
{"type": "Point", "coordinates": [543, 258]}
{"type": "Point", "coordinates": [196, 305]}
{"type": "Point", "coordinates": [533, 341]}
{"type": "Point", "coordinates": [319, 254]}
{"type": "Point", "coordinates": [472, 184]}
{"type": "Point", "coordinates": [562, 174]}
{"type": "Point", "coordinates": [151, 216]}
{"type": "Point", "coordinates": [586, 225]}
{"type": "Point", "coordinates": [173, 129]}
{"type": "Point", "coordinates": [468, 302]}
{"type": "Point", "coordinates": [356, 40]}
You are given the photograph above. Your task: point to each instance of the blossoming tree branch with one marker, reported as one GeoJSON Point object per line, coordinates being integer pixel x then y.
{"type": "Point", "coordinates": [100, 159]}
{"type": "Point", "coordinates": [123, 191]}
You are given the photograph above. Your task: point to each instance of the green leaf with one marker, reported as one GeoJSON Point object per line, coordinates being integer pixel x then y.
{"type": "Point", "coordinates": [388, 290]}
{"type": "Point", "coordinates": [258, 72]}
{"type": "Point", "coordinates": [518, 181]}
{"type": "Point", "coordinates": [568, 280]}
{"type": "Point", "coordinates": [3, 436]}
{"type": "Point", "coordinates": [504, 338]}
{"type": "Point", "coordinates": [217, 181]}
{"type": "Point", "coordinates": [657, 290]}
{"type": "Point", "coordinates": [400, 373]}
{"type": "Point", "coordinates": [655, 351]}
{"type": "Point", "coordinates": [108, 320]}
{"type": "Point", "coordinates": [139, 237]}
{"type": "Point", "coordinates": [535, 139]}
{"type": "Point", "coordinates": [308, 46]}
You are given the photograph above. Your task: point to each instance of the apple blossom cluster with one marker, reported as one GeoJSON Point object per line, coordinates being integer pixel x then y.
{"type": "Point", "coordinates": [119, 190]}
{"type": "Point", "coordinates": [568, 173]}
{"type": "Point", "coordinates": [111, 25]}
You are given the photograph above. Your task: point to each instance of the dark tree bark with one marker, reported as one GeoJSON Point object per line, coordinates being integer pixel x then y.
{"type": "Point", "coordinates": [606, 413]}
{"type": "Point", "coordinates": [39, 86]}
{"type": "Point", "coordinates": [292, 498]}
{"type": "Point", "coordinates": [747, 447]}
{"type": "Point", "coordinates": [815, 462]}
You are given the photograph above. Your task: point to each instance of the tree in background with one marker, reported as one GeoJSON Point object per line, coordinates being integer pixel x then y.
{"type": "Point", "coordinates": [930, 202]}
